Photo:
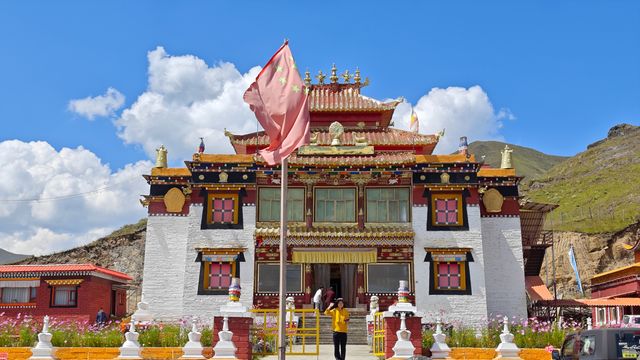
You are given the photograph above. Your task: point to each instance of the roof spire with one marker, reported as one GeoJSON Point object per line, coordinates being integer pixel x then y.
{"type": "Point", "coordinates": [346, 76]}
{"type": "Point", "coordinates": [307, 78]}
{"type": "Point", "coordinates": [320, 77]}
{"type": "Point", "coordinates": [356, 77]}
{"type": "Point", "coordinates": [334, 74]}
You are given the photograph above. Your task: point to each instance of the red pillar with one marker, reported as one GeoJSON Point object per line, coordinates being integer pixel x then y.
{"type": "Point", "coordinates": [360, 284]}
{"type": "Point", "coordinates": [392, 324]}
{"type": "Point", "coordinates": [240, 327]}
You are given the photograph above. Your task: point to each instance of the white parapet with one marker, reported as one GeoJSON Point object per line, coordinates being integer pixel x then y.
{"type": "Point", "coordinates": [507, 349]}
{"type": "Point", "coordinates": [43, 349]}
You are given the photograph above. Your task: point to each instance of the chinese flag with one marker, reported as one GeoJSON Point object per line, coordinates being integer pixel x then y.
{"type": "Point", "coordinates": [279, 100]}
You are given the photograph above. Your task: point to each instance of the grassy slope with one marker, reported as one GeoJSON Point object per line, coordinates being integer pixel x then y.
{"type": "Point", "coordinates": [528, 162]}
{"type": "Point", "coordinates": [598, 190]}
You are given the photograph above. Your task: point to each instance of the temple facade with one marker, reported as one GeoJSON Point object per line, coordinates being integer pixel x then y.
{"type": "Point", "coordinates": [368, 205]}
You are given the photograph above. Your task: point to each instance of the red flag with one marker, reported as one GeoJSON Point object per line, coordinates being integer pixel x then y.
{"type": "Point", "coordinates": [279, 100]}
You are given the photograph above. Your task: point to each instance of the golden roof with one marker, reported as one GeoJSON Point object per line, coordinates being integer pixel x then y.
{"type": "Point", "coordinates": [225, 158]}
{"type": "Point", "coordinates": [633, 268]}
{"type": "Point", "coordinates": [170, 172]}
{"type": "Point", "coordinates": [453, 158]}
{"type": "Point", "coordinates": [490, 172]}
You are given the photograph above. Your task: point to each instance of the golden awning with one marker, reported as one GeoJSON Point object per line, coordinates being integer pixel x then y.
{"type": "Point", "coordinates": [62, 282]}
{"type": "Point", "coordinates": [347, 256]}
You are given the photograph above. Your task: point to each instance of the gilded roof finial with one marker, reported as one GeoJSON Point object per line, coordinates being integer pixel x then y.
{"type": "Point", "coordinates": [320, 77]}
{"type": "Point", "coordinates": [506, 162]}
{"type": "Point", "coordinates": [334, 74]}
{"type": "Point", "coordinates": [161, 157]}
{"type": "Point", "coordinates": [366, 81]}
{"type": "Point", "coordinates": [346, 76]}
{"type": "Point", "coordinates": [307, 78]}
{"type": "Point", "coordinates": [357, 77]}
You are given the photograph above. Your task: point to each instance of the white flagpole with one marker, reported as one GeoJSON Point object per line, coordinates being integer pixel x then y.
{"type": "Point", "coordinates": [283, 259]}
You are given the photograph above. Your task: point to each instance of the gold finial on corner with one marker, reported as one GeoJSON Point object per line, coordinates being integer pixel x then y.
{"type": "Point", "coordinates": [356, 77]}
{"type": "Point", "coordinates": [320, 77]}
{"type": "Point", "coordinates": [227, 133]}
{"type": "Point", "coordinates": [346, 76]}
{"type": "Point", "coordinates": [307, 78]}
{"type": "Point", "coordinates": [366, 82]}
{"type": "Point", "coordinates": [334, 74]}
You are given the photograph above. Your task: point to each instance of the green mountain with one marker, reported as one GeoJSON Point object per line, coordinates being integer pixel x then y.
{"type": "Point", "coordinates": [528, 162]}
{"type": "Point", "coordinates": [598, 190]}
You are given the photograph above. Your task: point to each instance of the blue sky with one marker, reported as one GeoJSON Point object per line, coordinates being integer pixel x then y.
{"type": "Point", "coordinates": [552, 75]}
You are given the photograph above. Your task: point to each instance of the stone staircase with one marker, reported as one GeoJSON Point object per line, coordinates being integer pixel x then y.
{"type": "Point", "coordinates": [357, 334]}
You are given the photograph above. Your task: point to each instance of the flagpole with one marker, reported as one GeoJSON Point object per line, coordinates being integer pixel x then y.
{"type": "Point", "coordinates": [283, 259]}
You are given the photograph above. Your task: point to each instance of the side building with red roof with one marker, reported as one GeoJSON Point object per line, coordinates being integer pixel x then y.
{"type": "Point", "coordinates": [68, 291]}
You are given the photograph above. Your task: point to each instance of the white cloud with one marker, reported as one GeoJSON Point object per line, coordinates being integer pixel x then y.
{"type": "Point", "coordinates": [186, 99]}
{"type": "Point", "coordinates": [462, 112]}
{"type": "Point", "coordinates": [81, 198]}
{"type": "Point", "coordinates": [101, 105]}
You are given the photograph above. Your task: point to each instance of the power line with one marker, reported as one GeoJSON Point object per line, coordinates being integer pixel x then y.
{"type": "Point", "coordinates": [65, 197]}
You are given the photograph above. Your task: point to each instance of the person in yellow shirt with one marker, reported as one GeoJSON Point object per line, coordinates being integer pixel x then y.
{"type": "Point", "coordinates": [340, 317]}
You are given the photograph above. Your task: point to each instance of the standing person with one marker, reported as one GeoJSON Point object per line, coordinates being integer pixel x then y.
{"type": "Point", "coordinates": [317, 299]}
{"type": "Point", "coordinates": [328, 297]}
{"type": "Point", "coordinates": [101, 317]}
{"type": "Point", "coordinates": [339, 318]}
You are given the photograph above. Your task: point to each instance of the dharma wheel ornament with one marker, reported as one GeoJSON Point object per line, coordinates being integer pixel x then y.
{"type": "Point", "coordinates": [403, 292]}
{"type": "Point", "coordinates": [335, 130]}
{"type": "Point", "coordinates": [234, 290]}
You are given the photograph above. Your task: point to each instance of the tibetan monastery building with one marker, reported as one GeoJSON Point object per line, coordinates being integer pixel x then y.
{"type": "Point", "coordinates": [368, 205]}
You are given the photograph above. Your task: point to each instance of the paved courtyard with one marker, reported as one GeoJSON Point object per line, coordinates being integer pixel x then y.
{"type": "Point", "coordinates": [354, 352]}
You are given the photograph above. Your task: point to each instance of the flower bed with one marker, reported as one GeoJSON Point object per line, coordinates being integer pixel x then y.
{"type": "Point", "coordinates": [22, 331]}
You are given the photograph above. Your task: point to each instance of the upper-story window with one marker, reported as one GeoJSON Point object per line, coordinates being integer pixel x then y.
{"type": "Point", "coordinates": [335, 205]}
{"type": "Point", "coordinates": [388, 205]}
{"type": "Point", "coordinates": [269, 204]}
{"type": "Point", "coordinates": [447, 211]}
{"type": "Point", "coordinates": [222, 211]}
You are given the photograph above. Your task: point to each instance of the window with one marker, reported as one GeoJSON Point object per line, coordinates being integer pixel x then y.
{"type": "Point", "coordinates": [217, 268]}
{"type": "Point", "coordinates": [18, 295]}
{"type": "Point", "coordinates": [387, 205]}
{"type": "Point", "coordinates": [269, 277]}
{"type": "Point", "coordinates": [65, 296]}
{"type": "Point", "coordinates": [449, 270]}
{"type": "Point", "coordinates": [269, 204]}
{"type": "Point", "coordinates": [220, 275]}
{"type": "Point", "coordinates": [447, 212]}
{"type": "Point", "coordinates": [222, 211]}
{"type": "Point", "coordinates": [383, 278]}
{"type": "Point", "coordinates": [335, 205]}
{"type": "Point", "coordinates": [449, 276]}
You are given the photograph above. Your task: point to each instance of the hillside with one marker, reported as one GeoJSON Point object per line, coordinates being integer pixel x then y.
{"type": "Point", "coordinates": [598, 190]}
{"type": "Point", "coordinates": [7, 257]}
{"type": "Point", "coordinates": [122, 250]}
{"type": "Point", "coordinates": [528, 162]}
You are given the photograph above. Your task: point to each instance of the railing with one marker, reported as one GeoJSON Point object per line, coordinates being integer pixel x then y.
{"type": "Point", "coordinates": [302, 330]}
{"type": "Point", "coordinates": [378, 334]}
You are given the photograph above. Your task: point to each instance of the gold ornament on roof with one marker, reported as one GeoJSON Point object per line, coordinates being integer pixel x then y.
{"type": "Point", "coordinates": [356, 77]}
{"type": "Point", "coordinates": [334, 74]}
{"type": "Point", "coordinates": [506, 158]}
{"type": "Point", "coordinates": [223, 177]}
{"type": "Point", "coordinates": [359, 139]}
{"type": "Point", "coordinates": [161, 157]}
{"type": "Point", "coordinates": [440, 134]}
{"type": "Point", "coordinates": [346, 76]}
{"type": "Point", "coordinates": [313, 139]}
{"type": "Point", "coordinates": [307, 78]}
{"type": "Point", "coordinates": [335, 130]}
{"type": "Point", "coordinates": [444, 178]}
{"type": "Point", "coordinates": [320, 77]}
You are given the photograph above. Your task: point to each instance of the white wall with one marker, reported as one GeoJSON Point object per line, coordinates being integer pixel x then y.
{"type": "Point", "coordinates": [504, 269]}
{"type": "Point", "coordinates": [164, 255]}
{"type": "Point", "coordinates": [204, 306]}
{"type": "Point", "coordinates": [471, 309]}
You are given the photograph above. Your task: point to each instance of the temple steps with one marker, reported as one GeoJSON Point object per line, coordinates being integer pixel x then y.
{"type": "Point", "coordinates": [357, 334]}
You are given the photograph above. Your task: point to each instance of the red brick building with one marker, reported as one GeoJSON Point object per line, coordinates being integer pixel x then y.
{"type": "Point", "coordinates": [63, 291]}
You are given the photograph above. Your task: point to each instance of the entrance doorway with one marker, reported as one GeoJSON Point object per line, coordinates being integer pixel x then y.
{"type": "Point", "coordinates": [341, 277]}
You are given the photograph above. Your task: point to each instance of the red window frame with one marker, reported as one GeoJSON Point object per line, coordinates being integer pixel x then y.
{"type": "Point", "coordinates": [449, 276]}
